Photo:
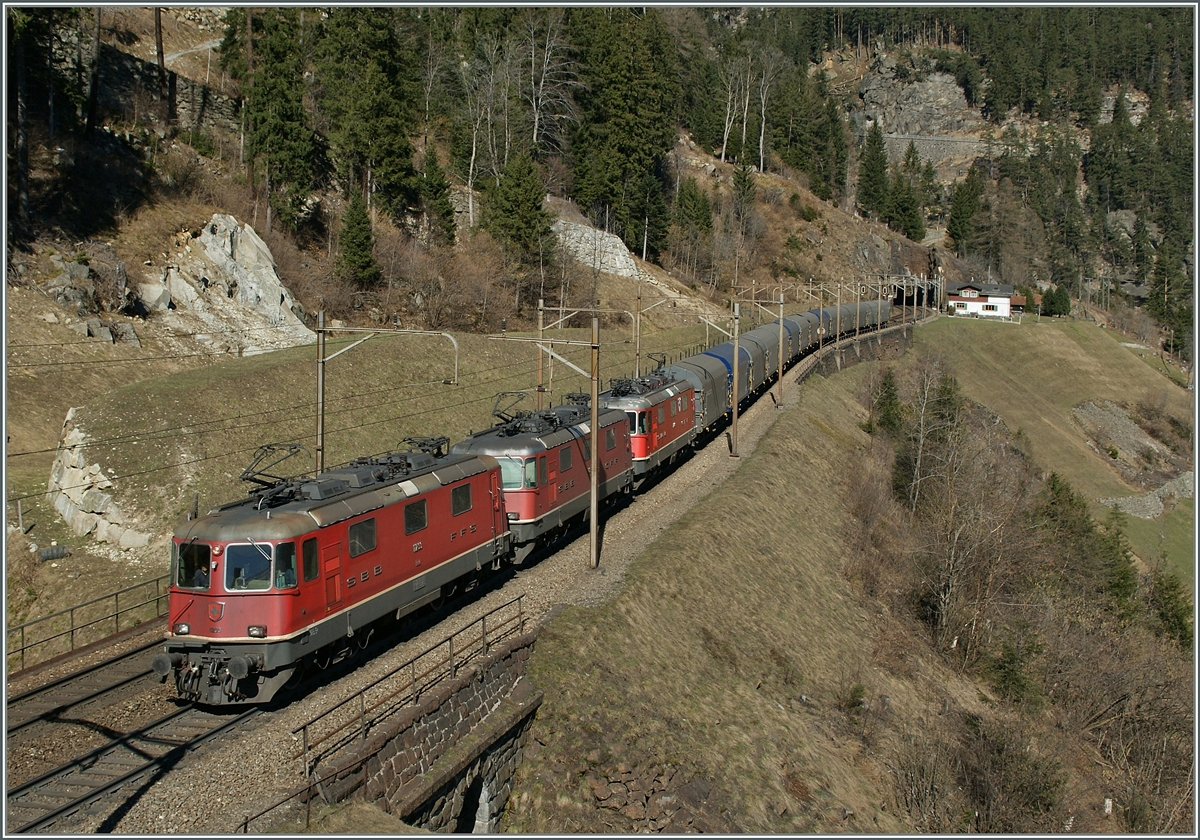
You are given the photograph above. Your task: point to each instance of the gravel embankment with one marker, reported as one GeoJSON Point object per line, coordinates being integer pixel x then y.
{"type": "Point", "coordinates": [213, 790]}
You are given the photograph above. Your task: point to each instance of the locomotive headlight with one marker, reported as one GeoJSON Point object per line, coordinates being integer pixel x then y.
{"type": "Point", "coordinates": [512, 517]}
{"type": "Point", "coordinates": [257, 631]}
{"type": "Point", "coordinates": [182, 629]}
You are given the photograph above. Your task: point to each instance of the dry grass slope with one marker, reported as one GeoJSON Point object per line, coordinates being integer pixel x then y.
{"type": "Point", "coordinates": [737, 652]}
{"type": "Point", "coordinates": [1032, 375]}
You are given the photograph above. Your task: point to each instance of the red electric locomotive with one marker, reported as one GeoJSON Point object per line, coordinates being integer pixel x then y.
{"type": "Point", "coordinates": [662, 417]}
{"type": "Point", "coordinates": [298, 570]}
{"type": "Point", "coordinates": [544, 458]}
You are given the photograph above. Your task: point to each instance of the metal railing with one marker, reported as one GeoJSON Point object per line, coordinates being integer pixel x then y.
{"type": "Point", "coordinates": [351, 719]}
{"type": "Point", "coordinates": [63, 631]}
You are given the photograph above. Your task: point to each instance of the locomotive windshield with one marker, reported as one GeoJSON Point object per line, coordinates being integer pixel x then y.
{"type": "Point", "coordinates": [510, 473]}
{"type": "Point", "coordinates": [192, 563]}
{"type": "Point", "coordinates": [248, 566]}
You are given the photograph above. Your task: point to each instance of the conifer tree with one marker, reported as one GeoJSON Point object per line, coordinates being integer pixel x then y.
{"type": "Point", "coordinates": [628, 108]}
{"type": "Point", "coordinates": [281, 135]}
{"type": "Point", "coordinates": [873, 174]}
{"type": "Point", "coordinates": [886, 407]}
{"type": "Point", "coordinates": [356, 243]}
{"type": "Point", "coordinates": [514, 213]}
{"type": "Point", "coordinates": [435, 200]}
{"type": "Point", "coordinates": [903, 212]}
{"type": "Point", "coordinates": [963, 208]}
{"type": "Point", "coordinates": [366, 93]}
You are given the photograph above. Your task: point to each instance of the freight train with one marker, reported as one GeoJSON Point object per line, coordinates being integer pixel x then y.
{"type": "Point", "coordinates": [300, 571]}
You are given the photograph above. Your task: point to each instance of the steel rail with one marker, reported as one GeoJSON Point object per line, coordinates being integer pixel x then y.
{"type": "Point", "coordinates": [91, 693]}
{"type": "Point", "coordinates": [77, 766]}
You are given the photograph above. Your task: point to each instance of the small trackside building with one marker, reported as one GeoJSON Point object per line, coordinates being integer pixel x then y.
{"type": "Point", "coordinates": [980, 300]}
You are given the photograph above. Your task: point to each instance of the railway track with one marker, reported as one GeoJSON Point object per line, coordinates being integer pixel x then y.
{"type": "Point", "coordinates": [95, 682]}
{"type": "Point", "coordinates": [125, 764]}
{"type": "Point", "coordinates": [107, 779]}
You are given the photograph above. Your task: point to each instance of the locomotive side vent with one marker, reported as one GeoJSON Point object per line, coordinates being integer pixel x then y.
{"type": "Point", "coordinates": [322, 489]}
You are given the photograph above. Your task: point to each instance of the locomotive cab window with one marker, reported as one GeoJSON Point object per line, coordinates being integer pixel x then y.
{"type": "Point", "coordinates": [460, 499]}
{"type": "Point", "coordinates": [610, 438]}
{"type": "Point", "coordinates": [531, 473]}
{"type": "Point", "coordinates": [192, 564]}
{"type": "Point", "coordinates": [673, 407]}
{"type": "Point", "coordinates": [414, 517]}
{"type": "Point", "coordinates": [564, 459]}
{"type": "Point", "coordinates": [362, 537]}
{"type": "Point", "coordinates": [248, 566]}
{"type": "Point", "coordinates": [285, 566]}
{"type": "Point", "coordinates": [311, 567]}
{"type": "Point", "coordinates": [641, 422]}
{"type": "Point", "coordinates": [510, 473]}
{"type": "Point", "coordinates": [662, 415]}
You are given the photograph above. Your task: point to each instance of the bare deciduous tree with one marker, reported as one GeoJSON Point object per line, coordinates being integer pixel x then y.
{"type": "Point", "coordinates": [772, 63]}
{"type": "Point", "coordinates": [548, 77]}
{"type": "Point", "coordinates": [733, 71]}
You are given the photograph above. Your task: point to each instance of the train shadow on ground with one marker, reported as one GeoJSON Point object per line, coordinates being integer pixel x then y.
{"type": "Point", "coordinates": [387, 633]}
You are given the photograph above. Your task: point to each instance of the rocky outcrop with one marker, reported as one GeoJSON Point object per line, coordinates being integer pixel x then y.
{"type": "Point", "coordinates": [931, 113]}
{"type": "Point", "coordinates": [934, 105]}
{"type": "Point", "coordinates": [1150, 505]}
{"type": "Point", "coordinates": [221, 286]}
{"type": "Point", "coordinates": [77, 491]}
{"type": "Point", "coordinates": [600, 251]}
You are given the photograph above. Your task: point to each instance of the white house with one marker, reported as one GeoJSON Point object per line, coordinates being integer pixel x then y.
{"type": "Point", "coordinates": [981, 300]}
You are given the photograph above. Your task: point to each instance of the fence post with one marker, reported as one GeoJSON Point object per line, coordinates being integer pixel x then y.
{"type": "Point", "coordinates": [22, 647]}
{"type": "Point", "coordinates": [453, 670]}
{"type": "Point", "coordinates": [72, 628]}
{"type": "Point", "coordinates": [362, 716]}
{"type": "Point", "coordinates": [485, 644]}
{"type": "Point", "coordinates": [116, 612]}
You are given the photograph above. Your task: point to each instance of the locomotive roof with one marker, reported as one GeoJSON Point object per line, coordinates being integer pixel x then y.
{"type": "Point", "coordinates": [644, 392]}
{"type": "Point", "coordinates": [537, 431]}
{"type": "Point", "coordinates": [294, 507]}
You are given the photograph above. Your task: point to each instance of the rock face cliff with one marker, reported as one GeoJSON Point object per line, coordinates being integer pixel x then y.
{"type": "Point", "coordinates": [77, 491]}
{"type": "Point", "coordinates": [931, 112]}
{"type": "Point", "coordinates": [222, 287]}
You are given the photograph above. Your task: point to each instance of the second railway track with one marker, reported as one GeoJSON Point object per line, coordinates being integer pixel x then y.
{"type": "Point", "coordinates": [130, 759]}
{"type": "Point", "coordinates": [95, 682]}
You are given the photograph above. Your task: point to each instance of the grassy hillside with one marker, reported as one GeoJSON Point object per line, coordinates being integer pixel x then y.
{"type": "Point", "coordinates": [1033, 374]}
{"type": "Point", "coordinates": [743, 653]}
{"type": "Point", "coordinates": [734, 650]}
{"type": "Point", "coordinates": [165, 438]}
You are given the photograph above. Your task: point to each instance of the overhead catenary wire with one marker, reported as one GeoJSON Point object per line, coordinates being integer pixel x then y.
{"type": "Point", "coordinates": [229, 423]}
{"type": "Point", "coordinates": [186, 430]}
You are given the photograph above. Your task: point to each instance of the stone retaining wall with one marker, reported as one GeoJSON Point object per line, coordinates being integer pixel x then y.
{"type": "Point", "coordinates": [447, 763]}
{"type": "Point", "coordinates": [888, 344]}
{"type": "Point", "coordinates": [603, 252]}
{"type": "Point", "coordinates": [76, 489]}
{"type": "Point", "coordinates": [127, 81]}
